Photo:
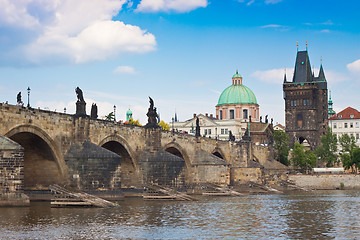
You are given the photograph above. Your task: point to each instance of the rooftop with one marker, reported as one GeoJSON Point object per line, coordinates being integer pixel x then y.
{"type": "Point", "coordinates": [347, 113]}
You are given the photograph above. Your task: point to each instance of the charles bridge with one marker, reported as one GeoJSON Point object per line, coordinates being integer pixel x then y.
{"type": "Point", "coordinates": [94, 154]}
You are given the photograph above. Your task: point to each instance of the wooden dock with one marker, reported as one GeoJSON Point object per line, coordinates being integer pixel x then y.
{"type": "Point", "coordinates": [220, 191]}
{"type": "Point", "coordinates": [68, 198]}
{"type": "Point", "coordinates": [156, 192]}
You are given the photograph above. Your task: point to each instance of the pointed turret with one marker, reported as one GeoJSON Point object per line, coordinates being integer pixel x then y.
{"type": "Point", "coordinates": [285, 78]}
{"type": "Point", "coordinates": [302, 72]}
{"type": "Point", "coordinates": [331, 111]}
{"type": "Point", "coordinates": [321, 74]}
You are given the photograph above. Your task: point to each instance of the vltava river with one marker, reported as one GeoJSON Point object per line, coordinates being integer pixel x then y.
{"type": "Point", "coordinates": [297, 215]}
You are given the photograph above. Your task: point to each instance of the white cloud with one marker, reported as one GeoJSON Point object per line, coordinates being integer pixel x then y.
{"type": "Point", "coordinates": [76, 31]}
{"type": "Point", "coordinates": [272, 26]}
{"type": "Point", "coordinates": [272, 1]}
{"type": "Point", "coordinates": [274, 75]}
{"type": "Point", "coordinates": [328, 22]}
{"type": "Point", "coordinates": [354, 67]}
{"type": "Point", "coordinates": [325, 31]}
{"type": "Point", "coordinates": [170, 5]}
{"type": "Point", "coordinates": [277, 75]}
{"type": "Point", "coordinates": [125, 69]}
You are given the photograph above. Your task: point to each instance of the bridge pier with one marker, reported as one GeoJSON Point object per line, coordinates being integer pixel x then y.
{"type": "Point", "coordinates": [12, 174]}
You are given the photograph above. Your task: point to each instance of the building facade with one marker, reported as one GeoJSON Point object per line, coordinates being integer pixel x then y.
{"type": "Point", "coordinates": [346, 121]}
{"type": "Point", "coordinates": [306, 103]}
{"type": "Point", "coordinates": [236, 107]}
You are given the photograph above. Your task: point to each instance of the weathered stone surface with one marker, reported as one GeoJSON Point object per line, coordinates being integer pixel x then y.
{"type": "Point", "coordinates": [326, 181]}
{"type": "Point", "coordinates": [11, 174]}
{"type": "Point", "coordinates": [93, 168]}
{"type": "Point", "coordinates": [59, 132]}
{"type": "Point", "coordinates": [162, 168]}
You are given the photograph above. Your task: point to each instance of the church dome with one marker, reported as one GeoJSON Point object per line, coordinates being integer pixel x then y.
{"type": "Point", "coordinates": [237, 94]}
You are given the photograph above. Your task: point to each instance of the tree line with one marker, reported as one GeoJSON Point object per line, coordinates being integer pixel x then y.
{"type": "Point", "coordinates": [326, 154]}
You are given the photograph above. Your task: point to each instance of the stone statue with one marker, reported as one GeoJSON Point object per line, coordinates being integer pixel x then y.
{"type": "Point", "coordinates": [151, 103]}
{"type": "Point", "coordinates": [80, 104]}
{"type": "Point", "coordinates": [152, 115]}
{"type": "Point", "coordinates": [260, 118]}
{"type": "Point", "coordinates": [19, 98]}
{"type": "Point", "coordinates": [197, 129]}
{"type": "Point", "coordinates": [250, 118]}
{"type": "Point", "coordinates": [79, 94]}
{"type": "Point", "coordinates": [231, 137]}
{"type": "Point", "coordinates": [94, 111]}
{"type": "Point", "coordinates": [266, 119]}
{"type": "Point", "coordinates": [272, 121]}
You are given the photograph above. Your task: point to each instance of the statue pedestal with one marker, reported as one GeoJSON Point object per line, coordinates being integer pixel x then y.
{"type": "Point", "coordinates": [80, 109]}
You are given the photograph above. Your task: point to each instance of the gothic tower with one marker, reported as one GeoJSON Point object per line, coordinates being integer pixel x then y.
{"type": "Point", "coordinates": [306, 106]}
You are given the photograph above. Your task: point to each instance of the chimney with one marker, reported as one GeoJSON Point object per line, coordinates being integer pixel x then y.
{"type": "Point", "coordinates": [194, 115]}
{"type": "Point", "coordinates": [211, 116]}
{"type": "Point", "coordinates": [206, 115]}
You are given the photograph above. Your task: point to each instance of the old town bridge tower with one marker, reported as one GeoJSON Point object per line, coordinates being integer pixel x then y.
{"type": "Point", "coordinates": [306, 109]}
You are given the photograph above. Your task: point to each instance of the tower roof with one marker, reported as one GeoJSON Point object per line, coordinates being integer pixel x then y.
{"type": "Point", "coordinates": [302, 68]}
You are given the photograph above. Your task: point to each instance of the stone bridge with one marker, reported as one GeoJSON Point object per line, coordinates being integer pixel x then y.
{"type": "Point", "coordinates": [99, 154]}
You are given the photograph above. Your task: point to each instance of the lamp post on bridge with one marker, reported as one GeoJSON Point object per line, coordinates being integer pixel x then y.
{"type": "Point", "coordinates": [28, 90]}
{"type": "Point", "coordinates": [114, 113]}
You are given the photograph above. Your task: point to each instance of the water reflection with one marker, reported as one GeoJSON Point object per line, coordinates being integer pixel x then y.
{"type": "Point", "coordinates": [314, 215]}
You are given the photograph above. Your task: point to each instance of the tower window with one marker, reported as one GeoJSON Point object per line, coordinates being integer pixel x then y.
{"type": "Point", "coordinates": [245, 114]}
{"type": "Point", "coordinates": [351, 125]}
{"type": "Point", "coordinates": [345, 125]}
{"type": "Point", "coordinates": [221, 116]}
{"type": "Point", "coordinates": [299, 120]}
{"type": "Point", "coordinates": [231, 114]}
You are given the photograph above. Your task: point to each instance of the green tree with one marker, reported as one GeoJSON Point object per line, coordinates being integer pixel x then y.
{"type": "Point", "coordinates": [327, 151]}
{"type": "Point", "coordinates": [302, 158]}
{"type": "Point", "coordinates": [136, 123]}
{"type": "Point", "coordinates": [349, 153]}
{"type": "Point", "coordinates": [281, 145]}
{"type": "Point", "coordinates": [164, 125]}
{"type": "Point", "coordinates": [110, 117]}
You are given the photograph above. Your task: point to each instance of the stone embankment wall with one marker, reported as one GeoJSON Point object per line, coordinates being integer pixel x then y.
{"type": "Point", "coordinates": [326, 181]}
{"type": "Point", "coordinates": [11, 174]}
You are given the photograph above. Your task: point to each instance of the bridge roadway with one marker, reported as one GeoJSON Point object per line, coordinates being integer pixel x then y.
{"type": "Point", "coordinates": [47, 137]}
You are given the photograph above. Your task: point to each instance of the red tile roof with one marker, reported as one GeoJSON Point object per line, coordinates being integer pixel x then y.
{"type": "Point", "coordinates": [346, 114]}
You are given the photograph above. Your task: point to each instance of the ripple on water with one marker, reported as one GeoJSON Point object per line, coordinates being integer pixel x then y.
{"type": "Point", "coordinates": [314, 215]}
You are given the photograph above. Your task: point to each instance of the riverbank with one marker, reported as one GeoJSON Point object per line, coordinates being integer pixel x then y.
{"type": "Point", "coordinates": [326, 181]}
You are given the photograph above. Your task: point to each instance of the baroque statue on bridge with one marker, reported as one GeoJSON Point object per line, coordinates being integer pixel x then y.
{"type": "Point", "coordinates": [152, 115]}
{"type": "Point", "coordinates": [80, 104]}
{"type": "Point", "coordinates": [94, 110]}
{"type": "Point", "coordinates": [79, 94]}
{"type": "Point", "coordinates": [18, 98]}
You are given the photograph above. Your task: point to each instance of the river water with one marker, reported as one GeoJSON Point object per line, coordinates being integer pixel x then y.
{"type": "Point", "coordinates": [296, 215]}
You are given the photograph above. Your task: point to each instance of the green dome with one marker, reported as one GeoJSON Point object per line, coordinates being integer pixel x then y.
{"type": "Point", "coordinates": [236, 75]}
{"type": "Point", "coordinates": [237, 94]}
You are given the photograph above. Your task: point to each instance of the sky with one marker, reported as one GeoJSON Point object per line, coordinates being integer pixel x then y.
{"type": "Point", "coordinates": [182, 53]}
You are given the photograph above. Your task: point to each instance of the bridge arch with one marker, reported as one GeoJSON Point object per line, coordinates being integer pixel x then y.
{"type": "Point", "coordinates": [219, 153]}
{"type": "Point", "coordinates": [129, 163]}
{"type": "Point", "coordinates": [43, 162]}
{"type": "Point", "coordinates": [176, 149]}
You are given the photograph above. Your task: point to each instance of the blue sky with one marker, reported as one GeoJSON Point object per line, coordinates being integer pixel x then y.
{"type": "Point", "coordinates": [182, 53]}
